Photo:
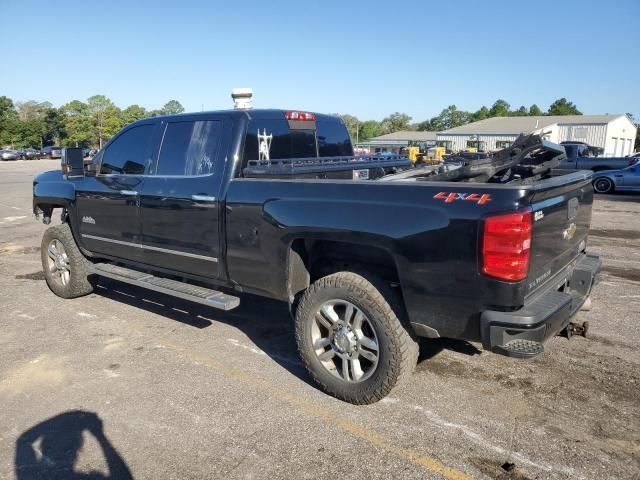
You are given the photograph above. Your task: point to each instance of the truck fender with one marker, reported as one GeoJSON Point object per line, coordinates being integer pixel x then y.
{"type": "Point", "coordinates": [50, 195]}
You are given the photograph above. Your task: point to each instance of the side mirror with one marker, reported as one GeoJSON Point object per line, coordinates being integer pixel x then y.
{"type": "Point", "coordinates": [73, 162]}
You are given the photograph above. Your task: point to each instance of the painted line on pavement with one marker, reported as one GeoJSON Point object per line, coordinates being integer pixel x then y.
{"type": "Point", "coordinates": [326, 415]}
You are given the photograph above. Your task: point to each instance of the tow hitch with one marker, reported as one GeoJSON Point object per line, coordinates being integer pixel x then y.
{"type": "Point", "coordinates": [575, 328]}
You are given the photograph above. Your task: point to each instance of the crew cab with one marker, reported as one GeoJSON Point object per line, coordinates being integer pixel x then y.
{"type": "Point", "coordinates": [580, 157]}
{"type": "Point", "coordinates": [370, 253]}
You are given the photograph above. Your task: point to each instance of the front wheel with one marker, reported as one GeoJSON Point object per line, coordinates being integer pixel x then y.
{"type": "Point", "coordinates": [352, 340]}
{"type": "Point", "coordinates": [603, 185]}
{"type": "Point", "coordinates": [65, 268]}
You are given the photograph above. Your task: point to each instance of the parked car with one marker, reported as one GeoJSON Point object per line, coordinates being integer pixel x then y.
{"type": "Point", "coordinates": [623, 180]}
{"type": "Point", "coordinates": [580, 156]}
{"type": "Point", "coordinates": [9, 155]}
{"type": "Point", "coordinates": [29, 154]}
{"type": "Point", "coordinates": [265, 202]}
{"type": "Point", "coordinates": [52, 152]}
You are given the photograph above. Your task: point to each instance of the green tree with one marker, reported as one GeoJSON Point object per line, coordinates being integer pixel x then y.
{"type": "Point", "coordinates": [534, 110]}
{"type": "Point", "coordinates": [369, 129]}
{"type": "Point", "coordinates": [54, 131]}
{"type": "Point", "coordinates": [172, 107]}
{"type": "Point", "coordinates": [481, 114]}
{"type": "Point", "coordinates": [521, 112]}
{"type": "Point", "coordinates": [133, 113]}
{"type": "Point", "coordinates": [29, 133]}
{"type": "Point", "coordinates": [499, 109]}
{"type": "Point", "coordinates": [395, 122]}
{"type": "Point", "coordinates": [424, 126]}
{"type": "Point", "coordinates": [352, 123]}
{"type": "Point", "coordinates": [8, 121]}
{"type": "Point", "coordinates": [450, 117]}
{"type": "Point", "coordinates": [113, 121]}
{"type": "Point", "coordinates": [563, 107]}
{"type": "Point", "coordinates": [78, 124]}
{"type": "Point", "coordinates": [98, 105]}
{"type": "Point", "coordinates": [435, 124]}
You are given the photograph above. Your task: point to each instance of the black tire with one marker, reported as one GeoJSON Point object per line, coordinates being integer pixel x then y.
{"type": "Point", "coordinates": [78, 281]}
{"type": "Point", "coordinates": [397, 346]}
{"type": "Point", "coordinates": [603, 185]}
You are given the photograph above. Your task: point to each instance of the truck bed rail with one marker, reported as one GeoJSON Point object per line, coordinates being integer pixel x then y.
{"type": "Point", "coordinates": [295, 167]}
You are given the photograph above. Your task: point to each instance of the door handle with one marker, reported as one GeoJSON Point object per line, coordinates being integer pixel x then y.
{"type": "Point", "coordinates": [203, 198]}
{"type": "Point", "coordinates": [130, 193]}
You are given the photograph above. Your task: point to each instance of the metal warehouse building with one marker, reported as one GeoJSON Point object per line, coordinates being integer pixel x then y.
{"type": "Point", "coordinates": [393, 142]}
{"type": "Point", "coordinates": [615, 133]}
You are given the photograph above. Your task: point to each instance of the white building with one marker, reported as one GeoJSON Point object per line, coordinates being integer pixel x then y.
{"type": "Point", "coordinates": [615, 133]}
{"type": "Point", "coordinates": [393, 142]}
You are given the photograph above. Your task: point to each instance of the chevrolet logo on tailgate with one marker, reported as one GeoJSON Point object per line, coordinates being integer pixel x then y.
{"type": "Point", "coordinates": [569, 232]}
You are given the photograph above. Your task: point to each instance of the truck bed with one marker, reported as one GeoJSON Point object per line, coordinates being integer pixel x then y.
{"type": "Point", "coordinates": [431, 230]}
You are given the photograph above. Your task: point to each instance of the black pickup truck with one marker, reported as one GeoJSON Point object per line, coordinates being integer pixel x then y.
{"type": "Point", "coordinates": [369, 253]}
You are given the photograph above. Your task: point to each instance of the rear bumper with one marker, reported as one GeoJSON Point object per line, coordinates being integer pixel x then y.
{"type": "Point", "coordinates": [543, 316]}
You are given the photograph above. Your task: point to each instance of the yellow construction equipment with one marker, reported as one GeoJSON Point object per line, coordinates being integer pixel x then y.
{"type": "Point", "coordinates": [428, 155]}
{"type": "Point", "coordinates": [475, 146]}
{"type": "Point", "coordinates": [412, 153]}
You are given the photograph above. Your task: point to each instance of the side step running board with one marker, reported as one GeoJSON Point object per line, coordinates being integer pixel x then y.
{"type": "Point", "coordinates": [202, 295]}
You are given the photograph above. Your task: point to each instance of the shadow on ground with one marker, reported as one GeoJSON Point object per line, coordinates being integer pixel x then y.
{"type": "Point", "coordinates": [266, 322]}
{"type": "Point", "coordinates": [50, 449]}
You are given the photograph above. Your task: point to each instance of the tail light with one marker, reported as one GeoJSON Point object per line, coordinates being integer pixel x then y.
{"type": "Point", "coordinates": [301, 116]}
{"type": "Point", "coordinates": [506, 246]}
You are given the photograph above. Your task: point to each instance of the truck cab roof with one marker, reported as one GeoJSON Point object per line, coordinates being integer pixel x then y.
{"type": "Point", "coordinates": [249, 114]}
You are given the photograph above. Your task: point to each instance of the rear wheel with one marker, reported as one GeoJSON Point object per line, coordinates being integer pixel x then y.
{"type": "Point", "coordinates": [351, 340]}
{"type": "Point", "coordinates": [65, 268]}
{"type": "Point", "coordinates": [603, 185]}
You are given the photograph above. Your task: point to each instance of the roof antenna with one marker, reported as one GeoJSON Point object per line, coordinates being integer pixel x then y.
{"type": "Point", "coordinates": [242, 98]}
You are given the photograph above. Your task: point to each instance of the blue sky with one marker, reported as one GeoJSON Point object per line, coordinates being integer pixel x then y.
{"type": "Point", "coordinates": [365, 58]}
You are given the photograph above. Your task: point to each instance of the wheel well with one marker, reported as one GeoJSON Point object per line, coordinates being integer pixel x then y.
{"type": "Point", "coordinates": [310, 260]}
{"type": "Point", "coordinates": [46, 211]}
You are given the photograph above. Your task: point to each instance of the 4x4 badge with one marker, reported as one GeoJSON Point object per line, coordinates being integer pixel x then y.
{"type": "Point", "coordinates": [471, 197]}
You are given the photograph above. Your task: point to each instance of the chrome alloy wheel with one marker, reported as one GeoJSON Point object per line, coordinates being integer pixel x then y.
{"type": "Point", "coordinates": [58, 262]}
{"type": "Point", "coordinates": [602, 185]}
{"type": "Point", "coordinates": [345, 341]}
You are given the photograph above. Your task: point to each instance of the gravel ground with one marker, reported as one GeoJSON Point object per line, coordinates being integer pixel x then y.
{"type": "Point", "coordinates": [130, 383]}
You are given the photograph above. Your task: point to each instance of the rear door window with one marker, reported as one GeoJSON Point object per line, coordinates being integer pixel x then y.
{"type": "Point", "coordinates": [271, 139]}
{"type": "Point", "coordinates": [189, 148]}
{"type": "Point", "coordinates": [128, 153]}
{"type": "Point", "coordinates": [333, 140]}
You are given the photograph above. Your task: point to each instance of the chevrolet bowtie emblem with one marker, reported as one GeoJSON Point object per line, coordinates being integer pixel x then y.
{"type": "Point", "coordinates": [569, 232]}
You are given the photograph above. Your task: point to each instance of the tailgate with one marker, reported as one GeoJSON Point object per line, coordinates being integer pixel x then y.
{"type": "Point", "coordinates": [561, 219]}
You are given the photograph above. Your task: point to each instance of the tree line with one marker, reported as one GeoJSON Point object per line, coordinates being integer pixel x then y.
{"type": "Point", "coordinates": [450, 117]}
{"type": "Point", "coordinates": [93, 122]}
{"type": "Point", "coordinates": [77, 123]}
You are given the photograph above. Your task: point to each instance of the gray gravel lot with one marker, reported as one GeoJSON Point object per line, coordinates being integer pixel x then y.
{"type": "Point", "coordinates": [130, 382]}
